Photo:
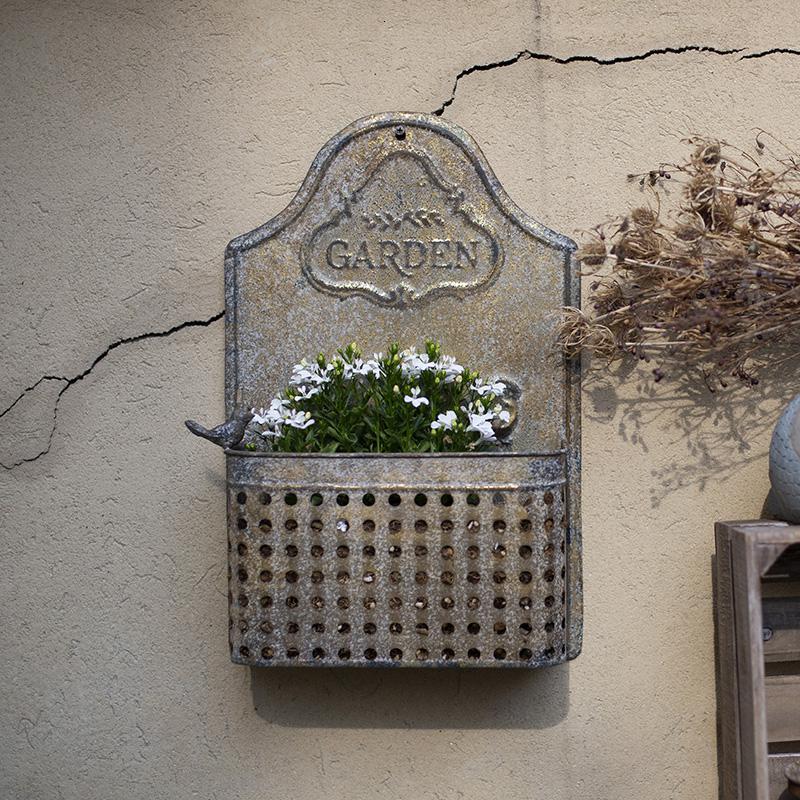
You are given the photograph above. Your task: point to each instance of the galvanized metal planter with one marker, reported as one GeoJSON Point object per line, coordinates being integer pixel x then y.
{"type": "Point", "coordinates": [401, 232]}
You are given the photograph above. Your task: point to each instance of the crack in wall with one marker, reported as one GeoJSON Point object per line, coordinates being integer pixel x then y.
{"type": "Point", "coordinates": [68, 382]}
{"type": "Point", "coordinates": [529, 55]}
{"type": "Point", "coordinates": [789, 51]}
{"type": "Point", "coordinates": [522, 55]}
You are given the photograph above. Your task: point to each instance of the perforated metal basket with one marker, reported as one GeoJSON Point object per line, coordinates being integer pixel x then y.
{"type": "Point", "coordinates": [399, 559]}
{"type": "Point", "coordinates": [405, 560]}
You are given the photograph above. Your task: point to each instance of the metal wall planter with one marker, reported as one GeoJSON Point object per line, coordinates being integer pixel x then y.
{"type": "Point", "coordinates": [401, 232]}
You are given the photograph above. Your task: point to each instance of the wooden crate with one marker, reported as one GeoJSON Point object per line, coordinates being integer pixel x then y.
{"type": "Point", "coordinates": [757, 609]}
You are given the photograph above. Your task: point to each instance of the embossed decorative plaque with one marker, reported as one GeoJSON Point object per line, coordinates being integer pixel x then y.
{"type": "Point", "coordinates": [401, 232]}
{"type": "Point", "coordinates": [404, 234]}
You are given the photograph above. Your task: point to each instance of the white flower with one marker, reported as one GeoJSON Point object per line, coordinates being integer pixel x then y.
{"type": "Point", "coordinates": [305, 373]}
{"type": "Point", "coordinates": [299, 419]}
{"type": "Point", "coordinates": [415, 399]}
{"type": "Point", "coordinates": [413, 364]}
{"type": "Point", "coordinates": [274, 414]}
{"type": "Point", "coordinates": [482, 388]}
{"type": "Point", "coordinates": [361, 367]}
{"type": "Point", "coordinates": [475, 406]}
{"type": "Point", "coordinates": [444, 421]}
{"type": "Point", "coordinates": [451, 369]}
{"type": "Point", "coordinates": [482, 425]}
{"type": "Point", "coordinates": [259, 417]}
{"type": "Point", "coordinates": [305, 392]}
{"type": "Point", "coordinates": [371, 367]}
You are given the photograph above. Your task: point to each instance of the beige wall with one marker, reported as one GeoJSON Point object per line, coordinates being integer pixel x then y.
{"type": "Point", "coordinates": [137, 139]}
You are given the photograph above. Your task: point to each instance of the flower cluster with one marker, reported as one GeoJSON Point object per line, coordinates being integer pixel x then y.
{"type": "Point", "coordinates": [403, 401]}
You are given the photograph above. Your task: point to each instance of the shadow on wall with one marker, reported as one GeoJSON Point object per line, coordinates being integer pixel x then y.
{"type": "Point", "coordinates": [717, 430]}
{"type": "Point", "coordinates": [412, 698]}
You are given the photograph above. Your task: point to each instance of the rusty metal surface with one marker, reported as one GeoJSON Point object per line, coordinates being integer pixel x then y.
{"type": "Point", "coordinates": [417, 560]}
{"type": "Point", "coordinates": [401, 231]}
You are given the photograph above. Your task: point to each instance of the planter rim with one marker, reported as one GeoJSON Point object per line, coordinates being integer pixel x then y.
{"type": "Point", "coordinates": [470, 455]}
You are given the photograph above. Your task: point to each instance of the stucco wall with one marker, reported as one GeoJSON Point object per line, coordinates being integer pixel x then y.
{"type": "Point", "coordinates": [137, 139]}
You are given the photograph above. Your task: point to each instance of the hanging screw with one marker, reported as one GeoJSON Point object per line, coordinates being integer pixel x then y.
{"type": "Point", "coordinates": [400, 132]}
{"type": "Point", "coordinates": [766, 634]}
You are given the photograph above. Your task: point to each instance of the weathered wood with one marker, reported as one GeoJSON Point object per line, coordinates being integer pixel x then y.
{"type": "Point", "coordinates": [727, 687]}
{"type": "Point", "coordinates": [783, 708]}
{"type": "Point", "coordinates": [754, 709]}
{"type": "Point", "coordinates": [746, 565]}
{"type": "Point", "coordinates": [781, 628]}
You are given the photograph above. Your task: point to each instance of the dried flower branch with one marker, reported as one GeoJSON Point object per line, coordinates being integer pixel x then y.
{"type": "Point", "coordinates": [711, 286]}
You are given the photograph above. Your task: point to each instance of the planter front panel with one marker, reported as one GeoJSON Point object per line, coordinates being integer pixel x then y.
{"type": "Point", "coordinates": [398, 560]}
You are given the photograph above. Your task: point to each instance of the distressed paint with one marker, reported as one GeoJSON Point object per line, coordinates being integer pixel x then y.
{"type": "Point", "coordinates": [401, 231]}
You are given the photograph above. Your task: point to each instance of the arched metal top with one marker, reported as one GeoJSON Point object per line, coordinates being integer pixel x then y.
{"type": "Point", "coordinates": [374, 122]}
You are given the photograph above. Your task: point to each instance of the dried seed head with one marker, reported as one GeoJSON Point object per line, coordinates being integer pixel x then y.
{"type": "Point", "coordinates": [708, 153]}
{"type": "Point", "coordinates": [702, 285]}
{"type": "Point", "coordinates": [644, 218]}
{"type": "Point", "coordinates": [592, 254]}
{"type": "Point", "coordinates": [688, 233]}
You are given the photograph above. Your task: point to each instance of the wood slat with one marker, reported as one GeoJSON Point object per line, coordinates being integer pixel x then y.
{"type": "Point", "coordinates": [783, 708]}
